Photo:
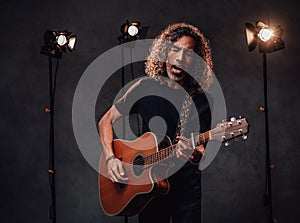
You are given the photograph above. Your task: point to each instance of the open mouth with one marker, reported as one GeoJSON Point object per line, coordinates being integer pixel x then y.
{"type": "Point", "coordinates": [176, 69]}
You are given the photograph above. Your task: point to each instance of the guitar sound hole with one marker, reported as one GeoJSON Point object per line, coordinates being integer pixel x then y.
{"type": "Point", "coordinates": [138, 165]}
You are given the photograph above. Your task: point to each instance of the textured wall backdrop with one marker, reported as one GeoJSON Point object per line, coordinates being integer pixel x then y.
{"type": "Point", "coordinates": [232, 185]}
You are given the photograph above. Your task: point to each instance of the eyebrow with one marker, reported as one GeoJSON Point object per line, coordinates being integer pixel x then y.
{"type": "Point", "coordinates": [177, 47]}
{"type": "Point", "coordinates": [180, 47]}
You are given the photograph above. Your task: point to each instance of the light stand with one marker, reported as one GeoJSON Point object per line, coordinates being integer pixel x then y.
{"type": "Point", "coordinates": [269, 40]}
{"type": "Point", "coordinates": [54, 44]}
{"type": "Point", "coordinates": [51, 170]}
{"type": "Point", "coordinates": [267, 197]}
{"type": "Point", "coordinates": [130, 31]}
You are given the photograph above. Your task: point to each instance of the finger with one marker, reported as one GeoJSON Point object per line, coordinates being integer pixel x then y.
{"type": "Point", "coordinates": [113, 171]}
{"type": "Point", "coordinates": [121, 169]}
{"type": "Point", "coordinates": [178, 153]}
{"type": "Point", "coordinates": [183, 138]}
{"type": "Point", "coordinates": [182, 154]}
{"type": "Point", "coordinates": [118, 171]}
{"type": "Point", "coordinates": [180, 148]}
{"type": "Point", "coordinates": [183, 145]}
{"type": "Point", "coordinates": [113, 178]}
{"type": "Point", "coordinates": [121, 173]}
{"type": "Point", "coordinates": [200, 149]}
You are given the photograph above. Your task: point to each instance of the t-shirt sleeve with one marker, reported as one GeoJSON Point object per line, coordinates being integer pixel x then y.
{"type": "Point", "coordinates": [125, 103]}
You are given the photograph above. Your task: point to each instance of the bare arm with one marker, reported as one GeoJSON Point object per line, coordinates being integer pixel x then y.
{"type": "Point", "coordinates": [186, 152]}
{"type": "Point", "coordinates": [106, 130]}
{"type": "Point", "coordinates": [115, 168]}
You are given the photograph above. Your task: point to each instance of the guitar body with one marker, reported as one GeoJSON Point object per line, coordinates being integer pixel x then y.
{"type": "Point", "coordinates": [129, 198]}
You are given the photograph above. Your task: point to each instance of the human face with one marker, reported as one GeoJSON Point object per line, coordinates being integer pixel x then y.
{"type": "Point", "coordinates": [180, 58]}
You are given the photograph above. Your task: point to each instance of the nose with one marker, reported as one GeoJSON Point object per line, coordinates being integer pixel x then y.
{"type": "Point", "coordinates": [180, 55]}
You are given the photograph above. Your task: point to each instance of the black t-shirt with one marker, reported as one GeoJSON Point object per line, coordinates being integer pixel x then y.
{"type": "Point", "coordinates": [152, 98]}
{"type": "Point", "coordinates": [149, 98]}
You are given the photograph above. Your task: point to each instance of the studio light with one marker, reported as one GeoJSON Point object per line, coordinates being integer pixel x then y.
{"type": "Point", "coordinates": [131, 31]}
{"type": "Point", "coordinates": [268, 38]}
{"type": "Point", "coordinates": [56, 42]}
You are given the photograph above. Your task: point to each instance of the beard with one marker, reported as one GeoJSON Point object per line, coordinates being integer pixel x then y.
{"type": "Point", "coordinates": [175, 73]}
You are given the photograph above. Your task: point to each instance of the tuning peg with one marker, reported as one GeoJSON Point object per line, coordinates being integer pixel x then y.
{"type": "Point", "coordinates": [223, 123]}
{"type": "Point", "coordinates": [232, 119]}
{"type": "Point", "coordinates": [244, 137]}
{"type": "Point", "coordinates": [227, 144]}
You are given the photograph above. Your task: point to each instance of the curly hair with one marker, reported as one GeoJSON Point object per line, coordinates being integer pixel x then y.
{"type": "Point", "coordinates": [155, 65]}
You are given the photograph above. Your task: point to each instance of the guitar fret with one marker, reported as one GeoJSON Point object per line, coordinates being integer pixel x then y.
{"type": "Point", "coordinates": [165, 153]}
{"type": "Point", "coordinates": [237, 128]}
{"type": "Point", "coordinates": [202, 138]}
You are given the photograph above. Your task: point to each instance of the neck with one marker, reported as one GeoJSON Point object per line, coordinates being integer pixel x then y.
{"type": "Point", "coordinates": [168, 152]}
{"type": "Point", "coordinates": [176, 84]}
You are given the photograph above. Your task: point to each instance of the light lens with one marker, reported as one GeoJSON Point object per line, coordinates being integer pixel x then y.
{"type": "Point", "coordinates": [133, 30]}
{"type": "Point", "coordinates": [61, 40]}
{"type": "Point", "coordinates": [265, 34]}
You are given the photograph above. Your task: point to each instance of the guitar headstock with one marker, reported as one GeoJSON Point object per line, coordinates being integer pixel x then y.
{"type": "Point", "coordinates": [228, 130]}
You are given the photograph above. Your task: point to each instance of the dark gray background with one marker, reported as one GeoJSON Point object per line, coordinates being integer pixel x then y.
{"type": "Point", "coordinates": [232, 185]}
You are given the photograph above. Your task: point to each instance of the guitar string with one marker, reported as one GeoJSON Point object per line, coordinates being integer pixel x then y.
{"type": "Point", "coordinates": [202, 137]}
{"type": "Point", "coordinates": [149, 160]}
{"type": "Point", "coordinates": [159, 156]}
{"type": "Point", "coordinates": [164, 153]}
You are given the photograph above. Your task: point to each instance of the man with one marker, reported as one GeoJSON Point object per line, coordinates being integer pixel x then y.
{"type": "Point", "coordinates": [174, 70]}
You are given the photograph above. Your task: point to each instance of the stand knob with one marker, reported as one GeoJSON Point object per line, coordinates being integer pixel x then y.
{"type": "Point", "coordinates": [272, 166]}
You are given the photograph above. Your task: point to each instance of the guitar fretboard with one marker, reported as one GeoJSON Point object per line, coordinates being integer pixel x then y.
{"type": "Point", "coordinates": [168, 152]}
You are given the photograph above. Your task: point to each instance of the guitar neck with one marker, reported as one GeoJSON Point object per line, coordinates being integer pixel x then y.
{"type": "Point", "coordinates": [223, 132]}
{"type": "Point", "coordinates": [168, 152]}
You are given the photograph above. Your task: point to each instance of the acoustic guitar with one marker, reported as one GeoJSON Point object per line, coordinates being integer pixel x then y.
{"type": "Point", "coordinates": [146, 167]}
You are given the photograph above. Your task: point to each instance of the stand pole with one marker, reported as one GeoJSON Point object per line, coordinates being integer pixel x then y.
{"type": "Point", "coordinates": [51, 170]}
{"type": "Point", "coordinates": [123, 84]}
{"type": "Point", "coordinates": [267, 197]}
